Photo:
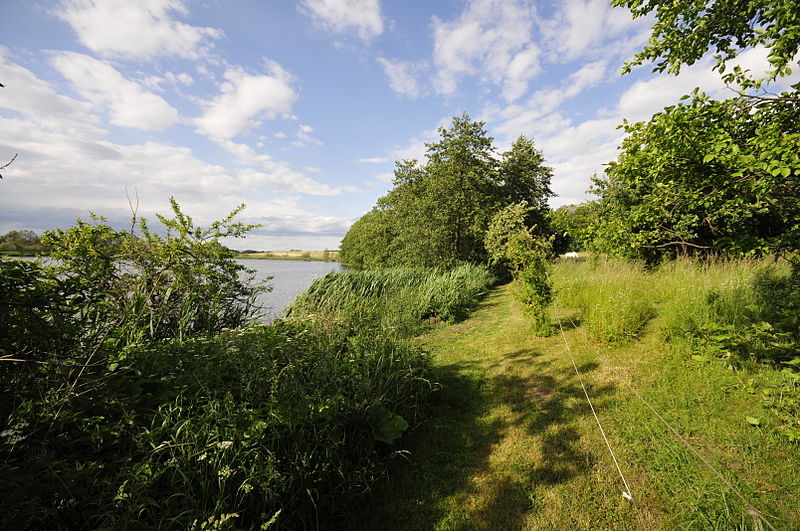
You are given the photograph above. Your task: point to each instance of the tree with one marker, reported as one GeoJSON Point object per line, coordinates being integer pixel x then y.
{"type": "Point", "coordinates": [686, 29]}
{"type": "Point", "coordinates": [514, 246]}
{"type": "Point", "coordinates": [438, 212]}
{"type": "Point", "coordinates": [705, 176]}
{"type": "Point", "coordinates": [526, 178]}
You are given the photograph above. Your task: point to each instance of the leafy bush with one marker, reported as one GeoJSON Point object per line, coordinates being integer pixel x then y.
{"type": "Point", "coordinates": [516, 248]}
{"type": "Point", "coordinates": [127, 402]}
{"type": "Point", "coordinates": [270, 422]}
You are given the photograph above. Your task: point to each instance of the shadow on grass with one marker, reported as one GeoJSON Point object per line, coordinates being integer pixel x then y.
{"type": "Point", "coordinates": [453, 447]}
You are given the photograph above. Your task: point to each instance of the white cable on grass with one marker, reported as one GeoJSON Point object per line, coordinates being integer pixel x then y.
{"type": "Point", "coordinates": [627, 492]}
{"type": "Point", "coordinates": [754, 513]}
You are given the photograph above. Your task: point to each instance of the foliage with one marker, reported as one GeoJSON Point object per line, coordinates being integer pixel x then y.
{"type": "Point", "coordinates": [438, 211]}
{"type": "Point", "coordinates": [511, 244]}
{"type": "Point", "coordinates": [705, 176]}
{"type": "Point", "coordinates": [271, 420]}
{"type": "Point", "coordinates": [21, 243]}
{"type": "Point", "coordinates": [526, 179]}
{"type": "Point", "coordinates": [127, 401]}
{"type": "Point", "coordinates": [571, 226]}
{"type": "Point", "coordinates": [149, 286]}
{"type": "Point", "coordinates": [396, 300]}
{"type": "Point", "coordinates": [686, 29]}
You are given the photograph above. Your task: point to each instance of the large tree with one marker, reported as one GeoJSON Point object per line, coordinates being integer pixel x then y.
{"type": "Point", "coordinates": [438, 211]}
{"type": "Point", "coordinates": [705, 175]}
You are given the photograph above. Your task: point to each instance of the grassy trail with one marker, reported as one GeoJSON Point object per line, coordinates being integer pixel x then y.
{"type": "Point", "coordinates": [512, 443]}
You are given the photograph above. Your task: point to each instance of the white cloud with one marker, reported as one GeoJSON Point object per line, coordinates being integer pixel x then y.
{"type": "Point", "coordinates": [246, 99]}
{"type": "Point", "coordinates": [61, 178]}
{"type": "Point", "coordinates": [127, 103]}
{"type": "Point", "coordinates": [580, 26]}
{"type": "Point", "coordinates": [342, 16]}
{"type": "Point", "coordinates": [402, 76]}
{"type": "Point", "coordinates": [373, 160]}
{"type": "Point", "coordinates": [523, 119]}
{"type": "Point", "coordinates": [141, 30]}
{"type": "Point", "coordinates": [281, 178]}
{"type": "Point", "coordinates": [490, 39]}
{"type": "Point", "coordinates": [27, 94]}
{"type": "Point", "coordinates": [277, 175]}
{"type": "Point", "coordinates": [304, 136]}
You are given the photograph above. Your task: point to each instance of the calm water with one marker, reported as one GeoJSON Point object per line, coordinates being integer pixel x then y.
{"type": "Point", "coordinates": [290, 278]}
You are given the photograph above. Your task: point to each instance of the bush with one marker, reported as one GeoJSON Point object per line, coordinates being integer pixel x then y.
{"type": "Point", "coordinates": [271, 420]}
{"type": "Point", "coordinates": [517, 250]}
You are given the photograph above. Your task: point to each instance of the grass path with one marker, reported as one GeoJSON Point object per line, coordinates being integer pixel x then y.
{"type": "Point", "coordinates": [511, 442]}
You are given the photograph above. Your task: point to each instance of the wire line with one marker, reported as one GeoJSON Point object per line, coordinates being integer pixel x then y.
{"type": "Point", "coordinates": [627, 492]}
{"type": "Point", "coordinates": [757, 516]}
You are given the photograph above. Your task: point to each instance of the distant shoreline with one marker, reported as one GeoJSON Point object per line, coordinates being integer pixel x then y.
{"type": "Point", "coordinates": [303, 256]}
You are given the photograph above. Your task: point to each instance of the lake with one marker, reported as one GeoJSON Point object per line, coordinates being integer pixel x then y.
{"type": "Point", "coordinates": [290, 278]}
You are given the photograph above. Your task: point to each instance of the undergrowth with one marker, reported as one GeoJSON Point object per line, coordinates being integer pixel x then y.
{"type": "Point", "coordinates": [135, 393]}
{"type": "Point", "coordinates": [268, 421]}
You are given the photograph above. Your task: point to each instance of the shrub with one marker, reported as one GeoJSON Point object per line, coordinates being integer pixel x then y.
{"type": "Point", "coordinates": [271, 420]}
{"type": "Point", "coordinates": [515, 248]}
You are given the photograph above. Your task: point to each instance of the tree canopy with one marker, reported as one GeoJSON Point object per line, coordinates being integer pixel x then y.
{"type": "Point", "coordinates": [438, 211]}
{"type": "Point", "coordinates": [708, 176]}
{"type": "Point", "coordinates": [686, 29]}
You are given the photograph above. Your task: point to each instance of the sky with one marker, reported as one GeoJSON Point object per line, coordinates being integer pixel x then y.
{"type": "Point", "coordinates": [300, 109]}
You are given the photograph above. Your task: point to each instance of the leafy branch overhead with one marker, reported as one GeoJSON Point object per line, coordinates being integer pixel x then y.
{"type": "Point", "coordinates": [686, 29]}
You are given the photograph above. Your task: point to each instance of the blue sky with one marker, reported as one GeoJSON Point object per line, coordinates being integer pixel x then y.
{"type": "Point", "coordinates": [300, 109]}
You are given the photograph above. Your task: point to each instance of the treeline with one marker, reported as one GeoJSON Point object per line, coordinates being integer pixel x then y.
{"type": "Point", "coordinates": [439, 210]}
{"type": "Point", "coordinates": [21, 243]}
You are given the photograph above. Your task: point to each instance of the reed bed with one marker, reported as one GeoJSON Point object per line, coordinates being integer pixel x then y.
{"type": "Point", "coordinates": [394, 300]}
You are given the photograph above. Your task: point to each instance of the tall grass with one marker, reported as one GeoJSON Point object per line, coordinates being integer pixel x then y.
{"type": "Point", "coordinates": [744, 312]}
{"type": "Point", "coordinates": [614, 298]}
{"type": "Point", "coordinates": [394, 300]}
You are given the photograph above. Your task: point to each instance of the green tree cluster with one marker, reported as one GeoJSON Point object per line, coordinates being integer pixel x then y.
{"type": "Point", "coordinates": [21, 242]}
{"type": "Point", "coordinates": [571, 226]}
{"type": "Point", "coordinates": [707, 176]}
{"type": "Point", "coordinates": [438, 211]}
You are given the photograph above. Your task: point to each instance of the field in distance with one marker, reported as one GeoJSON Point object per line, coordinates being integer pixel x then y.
{"type": "Point", "coordinates": [317, 256]}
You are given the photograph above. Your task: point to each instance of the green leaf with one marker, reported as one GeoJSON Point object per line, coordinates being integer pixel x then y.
{"type": "Point", "coordinates": [753, 421]}
{"type": "Point", "coordinates": [709, 156]}
{"type": "Point", "coordinates": [387, 426]}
